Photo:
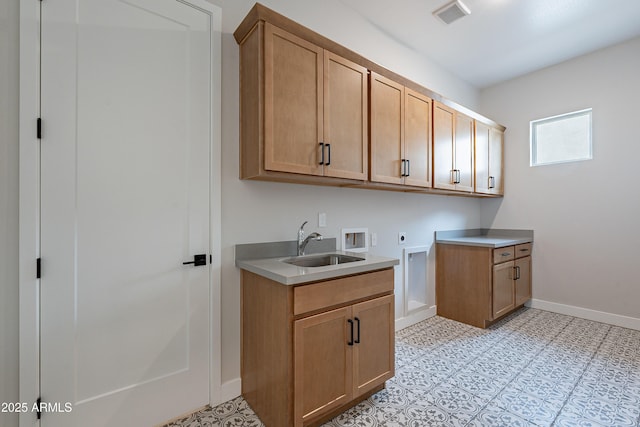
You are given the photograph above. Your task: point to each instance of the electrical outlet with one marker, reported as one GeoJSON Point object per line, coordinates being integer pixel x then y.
{"type": "Point", "coordinates": [402, 237]}
{"type": "Point", "coordinates": [374, 239]}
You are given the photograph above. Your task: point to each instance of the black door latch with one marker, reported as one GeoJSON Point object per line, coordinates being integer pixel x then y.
{"type": "Point", "coordinates": [200, 259]}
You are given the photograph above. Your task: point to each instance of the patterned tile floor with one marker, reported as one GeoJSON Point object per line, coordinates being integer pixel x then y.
{"type": "Point", "coordinates": [534, 368]}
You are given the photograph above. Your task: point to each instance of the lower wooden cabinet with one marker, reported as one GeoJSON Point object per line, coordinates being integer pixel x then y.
{"type": "Point", "coordinates": [340, 355]}
{"type": "Point", "coordinates": [311, 351]}
{"type": "Point", "coordinates": [478, 285]}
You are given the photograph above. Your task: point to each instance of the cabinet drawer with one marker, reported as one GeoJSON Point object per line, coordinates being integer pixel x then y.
{"type": "Point", "coordinates": [503, 254]}
{"type": "Point", "coordinates": [327, 294]}
{"type": "Point", "coordinates": [523, 250]}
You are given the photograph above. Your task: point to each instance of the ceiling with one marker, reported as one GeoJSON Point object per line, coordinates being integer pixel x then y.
{"type": "Point", "coordinates": [502, 39]}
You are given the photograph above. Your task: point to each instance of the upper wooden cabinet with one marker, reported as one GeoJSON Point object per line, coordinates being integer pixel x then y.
{"type": "Point", "coordinates": [400, 134]}
{"type": "Point", "coordinates": [346, 136]}
{"type": "Point", "coordinates": [313, 117]}
{"type": "Point", "coordinates": [489, 158]}
{"type": "Point", "coordinates": [315, 112]}
{"type": "Point", "coordinates": [292, 102]}
{"type": "Point", "coordinates": [453, 149]}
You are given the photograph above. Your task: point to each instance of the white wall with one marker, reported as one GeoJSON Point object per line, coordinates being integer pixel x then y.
{"type": "Point", "coordinates": [261, 211]}
{"type": "Point", "coordinates": [9, 58]}
{"type": "Point", "coordinates": [585, 215]}
{"type": "Point", "coordinates": [252, 211]}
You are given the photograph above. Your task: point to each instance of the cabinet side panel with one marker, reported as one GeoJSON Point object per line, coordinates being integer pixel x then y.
{"type": "Point", "coordinates": [267, 349]}
{"type": "Point", "coordinates": [463, 283]}
{"type": "Point", "coordinates": [251, 104]}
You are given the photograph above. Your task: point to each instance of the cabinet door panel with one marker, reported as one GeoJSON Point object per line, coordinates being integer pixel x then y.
{"type": "Point", "coordinates": [496, 153]}
{"type": "Point", "coordinates": [387, 116]}
{"type": "Point", "coordinates": [293, 103]}
{"type": "Point", "coordinates": [374, 353]}
{"type": "Point", "coordinates": [443, 143]}
{"type": "Point", "coordinates": [464, 152]}
{"type": "Point", "coordinates": [523, 283]}
{"type": "Point", "coordinates": [323, 364]}
{"type": "Point", "coordinates": [503, 295]}
{"type": "Point", "coordinates": [417, 138]}
{"type": "Point", "coordinates": [482, 158]}
{"type": "Point", "coordinates": [345, 117]}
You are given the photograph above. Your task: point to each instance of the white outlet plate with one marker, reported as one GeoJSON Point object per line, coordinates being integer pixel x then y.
{"type": "Point", "coordinates": [402, 237]}
{"type": "Point", "coordinates": [374, 239]}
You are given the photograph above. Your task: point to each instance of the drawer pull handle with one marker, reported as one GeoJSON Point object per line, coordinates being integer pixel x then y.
{"type": "Point", "coordinates": [350, 342]}
{"type": "Point", "coordinates": [357, 340]}
{"type": "Point", "coordinates": [505, 254]}
{"type": "Point", "coordinates": [524, 250]}
{"type": "Point", "coordinates": [517, 272]}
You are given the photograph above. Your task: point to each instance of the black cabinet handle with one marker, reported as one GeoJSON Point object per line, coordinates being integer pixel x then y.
{"type": "Point", "coordinates": [408, 168]}
{"type": "Point", "coordinates": [492, 182]}
{"type": "Point", "coordinates": [322, 153]}
{"type": "Point", "coordinates": [517, 272]}
{"type": "Point", "coordinates": [357, 340]}
{"type": "Point", "coordinates": [200, 259]}
{"type": "Point", "coordinates": [329, 156]}
{"type": "Point", "coordinates": [402, 167]}
{"type": "Point", "coordinates": [350, 342]}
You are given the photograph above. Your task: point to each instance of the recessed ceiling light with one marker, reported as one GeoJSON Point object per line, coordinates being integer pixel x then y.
{"type": "Point", "coordinates": [452, 11]}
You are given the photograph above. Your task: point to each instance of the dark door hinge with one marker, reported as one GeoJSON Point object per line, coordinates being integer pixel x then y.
{"type": "Point", "coordinates": [38, 268]}
{"type": "Point", "coordinates": [39, 127]}
{"type": "Point", "coordinates": [39, 412]}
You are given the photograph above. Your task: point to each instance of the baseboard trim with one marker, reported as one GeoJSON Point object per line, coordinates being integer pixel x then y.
{"type": "Point", "coordinates": [413, 318]}
{"type": "Point", "coordinates": [585, 313]}
{"type": "Point", "coordinates": [230, 390]}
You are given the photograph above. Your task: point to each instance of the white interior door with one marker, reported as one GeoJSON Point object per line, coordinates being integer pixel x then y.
{"type": "Point", "coordinates": [125, 200]}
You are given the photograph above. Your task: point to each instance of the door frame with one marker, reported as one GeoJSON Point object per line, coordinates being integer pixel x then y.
{"type": "Point", "coordinates": [29, 203]}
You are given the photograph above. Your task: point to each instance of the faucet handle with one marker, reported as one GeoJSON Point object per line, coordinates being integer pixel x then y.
{"type": "Point", "coordinates": [303, 224]}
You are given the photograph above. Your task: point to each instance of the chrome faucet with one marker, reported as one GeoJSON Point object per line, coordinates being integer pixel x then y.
{"type": "Point", "coordinates": [302, 241]}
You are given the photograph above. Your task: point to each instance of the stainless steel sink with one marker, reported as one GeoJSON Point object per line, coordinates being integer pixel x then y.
{"type": "Point", "coordinates": [321, 260]}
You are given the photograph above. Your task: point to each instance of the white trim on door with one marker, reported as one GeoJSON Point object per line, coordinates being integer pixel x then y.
{"type": "Point", "coordinates": [29, 206]}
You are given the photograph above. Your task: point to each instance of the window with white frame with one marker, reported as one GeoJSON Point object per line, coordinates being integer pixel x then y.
{"type": "Point", "coordinates": [562, 138]}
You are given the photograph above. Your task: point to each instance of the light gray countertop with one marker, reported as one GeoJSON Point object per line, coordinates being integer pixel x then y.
{"type": "Point", "coordinates": [484, 237]}
{"type": "Point", "coordinates": [287, 274]}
